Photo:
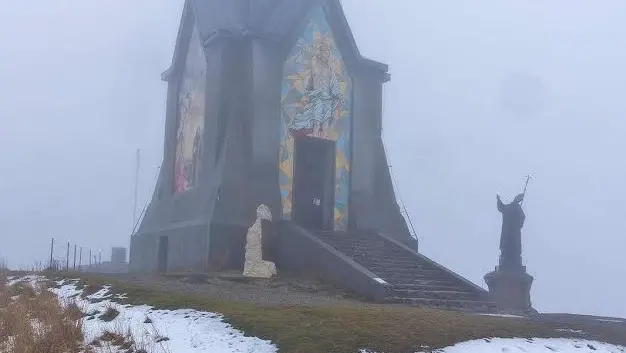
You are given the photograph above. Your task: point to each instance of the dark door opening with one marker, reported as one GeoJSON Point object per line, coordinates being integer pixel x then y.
{"type": "Point", "coordinates": [313, 203]}
{"type": "Point", "coordinates": [162, 260]}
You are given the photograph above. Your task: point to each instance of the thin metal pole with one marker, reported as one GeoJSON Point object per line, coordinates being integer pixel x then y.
{"type": "Point", "coordinates": [67, 258]}
{"type": "Point", "coordinates": [74, 257]}
{"type": "Point", "coordinates": [80, 259]}
{"type": "Point", "coordinates": [51, 252]}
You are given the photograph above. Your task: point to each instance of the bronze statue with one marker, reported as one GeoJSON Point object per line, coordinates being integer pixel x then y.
{"type": "Point", "coordinates": [509, 285]}
{"type": "Point", "coordinates": [513, 218]}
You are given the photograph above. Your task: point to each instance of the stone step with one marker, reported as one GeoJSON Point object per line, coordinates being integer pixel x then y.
{"type": "Point", "coordinates": [366, 244]}
{"type": "Point", "coordinates": [415, 278]}
{"type": "Point", "coordinates": [381, 251]}
{"type": "Point", "coordinates": [388, 262]}
{"type": "Point", "coordinates": [396, 266]}
{"type": "Point", "coordinates": [434, 294]}
{"type": "Point", "coordinates": [377, 250]}
{"type": "Point", "coordinates": [403, 272]}
{"type": "Point", "coordinates": [462, 305]}
{"type": "Point", "coordinates": [356, 240]}
{"type": "Point", "coordinates": [360, 241]}
{"type": "Point", "coordinates": [408, 270]}
{"type": "Point", "coordinates": [353, 240]}
{"type": "Point", "coordinates": [421, 285]}
{"type": "Point", "coordinates": [412, 280]}
{"type": "Point", "coordinates": [381, 256]}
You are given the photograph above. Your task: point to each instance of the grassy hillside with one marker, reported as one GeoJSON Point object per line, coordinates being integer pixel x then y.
{"type": "Point", "coordinates": [340, 328]}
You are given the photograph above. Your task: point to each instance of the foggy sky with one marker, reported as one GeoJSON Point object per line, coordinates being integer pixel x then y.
{"type": "Point", "coordinates": [80, 91]}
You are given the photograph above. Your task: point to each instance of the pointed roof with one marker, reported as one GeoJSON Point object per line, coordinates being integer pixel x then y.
{"type": "Point", "coordinates": [270, 19]}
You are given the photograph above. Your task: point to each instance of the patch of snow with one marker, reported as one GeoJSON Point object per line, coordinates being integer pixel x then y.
{"type": "Point", "coordinates": [188, 331]}
{"type": "Point", "coordinates": [504, 315]}
{"type": "Point", "coordinates": [38, 327]}
{"type": "Point", "coordinates": [33, 280]}
{"type": "Point", "coordinates": [103, 293]}
{"type": "Point", "coordinates": [536, 345]}
{"type": "Point", "coordinates": [580, 332]}
{"type": "Point", "coordinates": [614, 321]}
{"type": "Point", "coordinates": [7, 346]}
{"type": "Point", "coordinates": [380, 280]}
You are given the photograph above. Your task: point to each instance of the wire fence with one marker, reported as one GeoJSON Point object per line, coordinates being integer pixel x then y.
{"type": "Point", "coordinates": [67, 256]}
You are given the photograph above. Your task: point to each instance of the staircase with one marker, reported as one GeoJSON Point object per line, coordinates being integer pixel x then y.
{"type": "Point", "coordinates": [412, 278]}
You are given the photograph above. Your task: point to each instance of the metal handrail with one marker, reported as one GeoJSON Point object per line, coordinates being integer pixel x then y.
{"type": "Point", "coordinates": [397, 192]}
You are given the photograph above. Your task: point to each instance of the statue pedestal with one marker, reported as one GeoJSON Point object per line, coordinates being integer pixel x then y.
{"type": "Point", "coordinates": [510, 289]}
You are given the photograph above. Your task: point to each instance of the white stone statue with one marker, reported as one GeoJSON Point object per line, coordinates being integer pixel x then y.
{"type": "Point", "coordinates": [255, 266]}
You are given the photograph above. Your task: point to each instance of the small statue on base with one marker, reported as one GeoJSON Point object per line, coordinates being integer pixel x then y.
{"type": "Point", "coordinates": [255, 266]}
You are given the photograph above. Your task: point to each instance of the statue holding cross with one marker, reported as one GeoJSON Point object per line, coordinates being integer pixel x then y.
{"type": "Point", "coordinates": [509, 285]}
{"type": "Point", "coordinates": [513, 218]}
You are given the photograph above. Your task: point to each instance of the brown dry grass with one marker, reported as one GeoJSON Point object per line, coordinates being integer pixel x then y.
{"type": "Point", "coordinates": [33, 321]}
{"type": "Point", "coordinates": [110, 314]}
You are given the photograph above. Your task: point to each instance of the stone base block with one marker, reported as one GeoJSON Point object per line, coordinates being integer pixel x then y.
{"type": "Point", "coordinates": [510, 290]}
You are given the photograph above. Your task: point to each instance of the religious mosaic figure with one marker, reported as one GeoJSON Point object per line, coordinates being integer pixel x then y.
{"type": "Point", "coordinates": [191, 108]}
{"type": "Point", "coordinates": [322, 96]}
{"type": "Point", "coordinates": [316, 101]}
{"type": "Point", "coordinates": [255, 266]}
{"type": "Point", "coordinates": [513, 218]}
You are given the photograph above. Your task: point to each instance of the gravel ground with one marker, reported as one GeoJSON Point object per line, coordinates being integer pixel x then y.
{"type": "Point", "coordinates": [279, 291]}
